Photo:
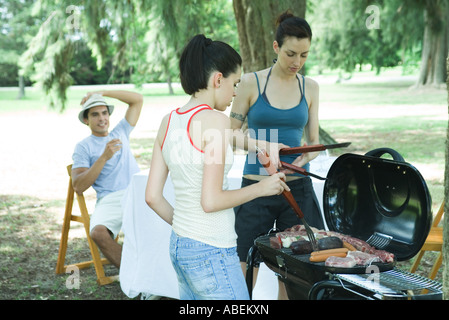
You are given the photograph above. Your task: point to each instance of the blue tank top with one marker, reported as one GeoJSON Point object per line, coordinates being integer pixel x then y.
{"type": "Point", "coordinates": [268, 123]}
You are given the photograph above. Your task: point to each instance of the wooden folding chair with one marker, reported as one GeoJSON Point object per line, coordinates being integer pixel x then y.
{"type": "Point", "coordinates": [434, 242]}
{"type": "Point", "coordinates": [84, 218]}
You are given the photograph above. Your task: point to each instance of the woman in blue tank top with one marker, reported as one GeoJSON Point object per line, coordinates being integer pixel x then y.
{"type": "Point", "coordinates": [281, 107]}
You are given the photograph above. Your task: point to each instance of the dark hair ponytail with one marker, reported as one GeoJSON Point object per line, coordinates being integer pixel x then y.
{"type": "Point", "coordinates": [202, 56]}
{"type": "Point", "coordinates": [289, 25]}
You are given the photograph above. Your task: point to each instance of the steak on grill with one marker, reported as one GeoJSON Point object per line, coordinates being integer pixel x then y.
{"type": "Point", "coordinates": [339, 262]}
{"type": "Point", "coordinates": [298, 232]}
{"type": "Point", "coordinates": [363, 258]}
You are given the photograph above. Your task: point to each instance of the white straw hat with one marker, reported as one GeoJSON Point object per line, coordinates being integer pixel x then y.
{"type": "Point", "coordinates": [94, 100]}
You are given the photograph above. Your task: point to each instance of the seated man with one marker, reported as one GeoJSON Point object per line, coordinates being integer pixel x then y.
{"type": "Point", "coordinates": [104, 161]}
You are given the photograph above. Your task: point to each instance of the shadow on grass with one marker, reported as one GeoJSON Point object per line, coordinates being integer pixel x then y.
{"type": "Point", "coordinates": [30, 232]}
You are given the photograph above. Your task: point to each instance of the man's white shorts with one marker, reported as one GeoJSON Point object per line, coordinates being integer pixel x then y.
{"type": "Point", "coordinates": [109, 213]}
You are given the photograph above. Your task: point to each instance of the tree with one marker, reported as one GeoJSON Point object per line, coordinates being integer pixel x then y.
{"type": "Point", "coordinates": [145, 38]}
{"type": "Point", "coordinates": [435, 43]}
{"type": "Point", "coordinates": [351, 33]}
{"type": "Point", "coordinates": [16, 28]}
{"type": "Point", "coordinates": [104, 27]}
{"type": "Point", "coordinates": [47, 59]}
{"type": "Point", "coordinates": [256, 26]}
{"type": "Point", "coordinates": [446, 207]}
{"type": "Point", "coordinates": [345, 41]}
{"type": "Point", "coordinates": [166, 36]}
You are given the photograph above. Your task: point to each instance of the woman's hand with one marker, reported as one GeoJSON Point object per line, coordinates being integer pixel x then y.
{"type": "Point", "coordinates": [272, 149]}
{"type": "Point", "coordinates": [273, 185]}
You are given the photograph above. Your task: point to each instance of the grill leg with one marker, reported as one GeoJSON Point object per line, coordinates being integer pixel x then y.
{"type": "Point", "coordinates": [250, 264]}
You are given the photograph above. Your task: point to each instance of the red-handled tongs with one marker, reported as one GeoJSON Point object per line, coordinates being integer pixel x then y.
{"type": "Point", "coordinates": [300, 170]}
{"type": "Point", "coordinates": [305, 149]}
{"type": "Point", "coordinates": [265, 161]}
{"type": "Point", "coordinates": [313, 148]}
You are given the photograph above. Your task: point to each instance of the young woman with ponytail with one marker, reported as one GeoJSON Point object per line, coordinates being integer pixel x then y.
{"type": "Point", "coordinates": [193, 144]}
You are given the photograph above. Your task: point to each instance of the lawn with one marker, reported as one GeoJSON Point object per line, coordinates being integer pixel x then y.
{"type": "Point", "coordinates": [369, 112]}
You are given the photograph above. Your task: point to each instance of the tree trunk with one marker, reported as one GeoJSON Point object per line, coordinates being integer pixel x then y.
{"type": "Point", "coordinates": [435, 44]}
{"type": "Point", "coordinates": [446, 208]}
{"type": "Point", "coordinates": [256, 25]}
{"type": "Point", "coordinates": [170, 86]}
{"type": "Point", "coordinates": [21, 93]}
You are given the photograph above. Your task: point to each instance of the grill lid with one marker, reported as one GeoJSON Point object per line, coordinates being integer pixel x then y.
{"type": "Point", "coordinates": [384, 202]}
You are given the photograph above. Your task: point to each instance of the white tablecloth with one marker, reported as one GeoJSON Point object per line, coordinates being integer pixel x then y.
{"type": "Point", "coordinates": [146, 266]}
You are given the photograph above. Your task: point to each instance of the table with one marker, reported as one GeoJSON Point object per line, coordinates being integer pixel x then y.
{"type": "Point", "coordinates": [146, 266]}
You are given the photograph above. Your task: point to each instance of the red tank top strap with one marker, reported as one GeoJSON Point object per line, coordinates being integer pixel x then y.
{"type": "Point", "coordinates": [166, 130]}
{"type": "Point", "coordinates": [200, 108]}
{"type": "Point", "coordinates": [196, 109]}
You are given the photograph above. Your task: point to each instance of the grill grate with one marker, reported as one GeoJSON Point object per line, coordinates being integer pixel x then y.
{"type": "Point", "coordinates": [392, 282]}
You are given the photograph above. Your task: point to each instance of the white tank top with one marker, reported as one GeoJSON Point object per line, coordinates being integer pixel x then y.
{"type": "Point", "coordinates": [185, 162]}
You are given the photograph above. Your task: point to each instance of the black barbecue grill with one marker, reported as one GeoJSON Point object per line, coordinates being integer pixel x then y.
{"type": "Point", "coordinates": [383, 202]}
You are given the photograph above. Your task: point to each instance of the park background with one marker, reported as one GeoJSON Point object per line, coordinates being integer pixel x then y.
{"type": "Point", "coordinates": [381, 66]}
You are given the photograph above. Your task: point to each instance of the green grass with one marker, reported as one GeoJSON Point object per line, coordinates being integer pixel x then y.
{"type": "Point", "coordinates": [383, 93]}
{"type": "Point", "coordinates": [35, 99]}
{"type": "Point", "coordinates": [417, 140]}
{"type": "Point", "coordinates": [29, 242]}
{"type": "Point", "coordinates": [375, 90]}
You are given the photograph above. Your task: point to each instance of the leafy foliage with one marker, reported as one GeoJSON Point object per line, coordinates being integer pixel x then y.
{"type": "Point", "coordinates": [353, 32]}
{"type": "Point", "coordinates": [140, 41]}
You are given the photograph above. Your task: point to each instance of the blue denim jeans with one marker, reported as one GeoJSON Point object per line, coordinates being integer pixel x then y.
{"type": "Point", "coordinates": [206, 272]}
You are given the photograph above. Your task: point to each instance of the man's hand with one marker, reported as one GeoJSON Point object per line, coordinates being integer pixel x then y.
{"type": "Point", "coordinates": [88, 95]}
{"type": "Point", "coordinates": [111, 148]}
